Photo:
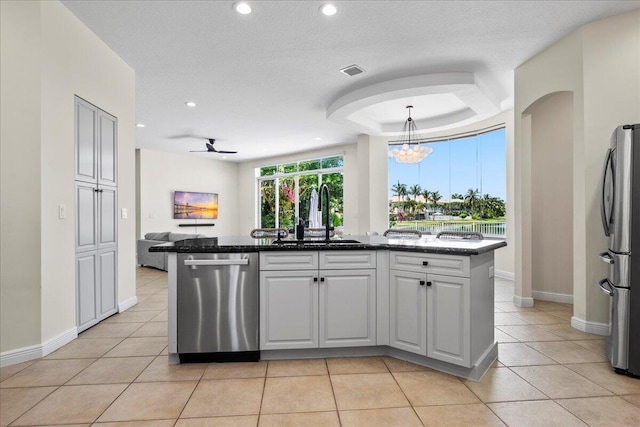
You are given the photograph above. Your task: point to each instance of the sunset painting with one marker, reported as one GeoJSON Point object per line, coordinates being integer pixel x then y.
{"type": "Point", "coordinates": [189, 205]}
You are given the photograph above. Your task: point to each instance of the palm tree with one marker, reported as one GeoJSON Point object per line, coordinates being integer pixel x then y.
{"type": "Point", "coordinates": [415, 190]}
{"type": "Point", "coordinates": [427, 196]}
{"type": "Point", "coordinates": [457, 196]}
{"type": "Point", "coordinates": [471, 199]}
{"type": "Point", "coordinates": [399, 189]}
{"type": "Point", "coordinates": [435, 198]}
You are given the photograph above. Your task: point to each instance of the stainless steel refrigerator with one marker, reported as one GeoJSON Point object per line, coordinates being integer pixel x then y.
{"type": "Point", "coordinates": [620, 211]}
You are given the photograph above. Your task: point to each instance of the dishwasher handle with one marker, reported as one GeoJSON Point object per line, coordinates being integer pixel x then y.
{"type": "Point", "coordinates": [216, 262]}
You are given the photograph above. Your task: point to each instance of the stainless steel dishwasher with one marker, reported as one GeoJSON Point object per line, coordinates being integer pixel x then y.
{"type": "Point", "coordinates": [218, 304]}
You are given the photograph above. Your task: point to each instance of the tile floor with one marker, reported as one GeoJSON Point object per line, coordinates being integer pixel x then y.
{"type": "Point", "coordinates": [116, 373]}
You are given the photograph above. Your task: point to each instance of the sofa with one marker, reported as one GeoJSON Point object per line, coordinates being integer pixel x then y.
{"type": "Point", "coordinates": [158, 259]}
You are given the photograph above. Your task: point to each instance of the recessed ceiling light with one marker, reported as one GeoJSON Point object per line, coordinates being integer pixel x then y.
{"type": "Point", "coordinates": [318, 138]}
{"type": "Point", "coordinates": [328, 9]}
{"type": "Point", "coordinates": [224, 157]}
{"type": "Point", "coordinates": [139, 125]}
{"type": "Point", "coordinates": [190, 104]}
{"type": "Point", "coordinates": [242, 8]}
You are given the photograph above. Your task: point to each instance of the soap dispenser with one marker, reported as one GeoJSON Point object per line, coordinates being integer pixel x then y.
{"type": "Point", "coordinates": [300, 229]}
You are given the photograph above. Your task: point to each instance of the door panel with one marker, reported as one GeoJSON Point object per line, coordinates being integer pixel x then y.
{"type": "Point", "coordinates": [108, 216]}
{"type": "Point", "coordinates": [86, 205]}
{"type": "Point", "coordinates": [620, 238]}
{"type": "Point", "coordinates": [288, 310]}
{"type": "Point", "coordinates": [107, 135]}
{"type": "Point", "coordinates": [347, 308]}
{"type": "Point", "coordinates": [448, 325]}
{"type": "Point", "coordinates": [86, 275]}
{"type": "Point", "coordinates": [108, 301]}
{"type": "Point", "coordinates": [85, 134]}
{"type": "Point", "coordinates": [408, 311]}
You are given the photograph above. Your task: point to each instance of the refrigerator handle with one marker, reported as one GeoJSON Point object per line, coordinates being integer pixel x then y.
{"type": "Point", "coordinates": [605, 290]}
{"type": "Point", "coordinates": [605, 257]}
{"type": "Point", "coordinates": [603, 212]}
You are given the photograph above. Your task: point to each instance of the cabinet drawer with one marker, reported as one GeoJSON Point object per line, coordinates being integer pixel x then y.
{"type": "Point", "coordinates": [294, 260]}
{"type": "Point", "coordinates": [343, 260]}
{"type": "Point", "coordinates": [450, 265]}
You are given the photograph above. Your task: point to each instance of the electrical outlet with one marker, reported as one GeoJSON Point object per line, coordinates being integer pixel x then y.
{"type": "Point", "coordinates": [491, 271]}
{"type": "Point", "coordinates": [62, 212]}
{"type": "Point", "coordinates": [124, 214]}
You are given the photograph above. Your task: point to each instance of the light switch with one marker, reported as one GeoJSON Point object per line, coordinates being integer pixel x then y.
{"type": "Point", "coordinates": [124, 213]}
{"type": "Point", "coordinates": [62, 212]}
{"type": "Point", "coordinates": [491, 272]}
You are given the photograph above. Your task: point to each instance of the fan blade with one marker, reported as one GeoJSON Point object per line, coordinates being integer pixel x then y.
{"type": "Point", "coordinates": [200, 151]}
{"type": "Point", "coordinates": [226, 152]}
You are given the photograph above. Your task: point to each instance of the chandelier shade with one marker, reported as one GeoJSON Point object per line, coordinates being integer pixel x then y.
{"type": "Point", "coordinates": [411, 151]}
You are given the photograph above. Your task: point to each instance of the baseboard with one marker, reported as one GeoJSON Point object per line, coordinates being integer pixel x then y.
{"type": "Point", "coordinates": [590, 327]}
{"type": "Point", "coordinates": [505, 275]}
{"type": "Point", "coordinates": [523, 301]}
{"type": "Point", "coordinates": [51, 345]}
{"type": "Point", "coordinates": [553, 297]}
{"type": "Point", "coordinates": [32, 352]}
{"type": "Point", "coordinates": [20, 355]}
{"type": "Point", "coordinates": [127, 304]}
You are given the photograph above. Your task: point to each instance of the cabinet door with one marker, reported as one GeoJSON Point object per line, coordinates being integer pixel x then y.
{"type": "Point", "coordinates": [448, 324]}
{"type": "Point", "coordinates": [86, 275]}
{"type": "Point", "coordinates": [347, 308]}
{"type": "Point", "coordinates": [86, 217]}
{"type": "Point", "coordinates": [107, 218]}
{"type": "Point", "coordinates": [408, 311]}
{"type": "Point", "coordinates": [288, 309]}
{"type": "Point", "coordinates": [106, 288]}
{"type": "Point", "coordinates": [85, 136]}
{"type": "Point", "coordinates": [107, 152]}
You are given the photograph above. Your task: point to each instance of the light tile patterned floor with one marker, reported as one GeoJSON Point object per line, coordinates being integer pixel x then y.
{"type": "Point", "coordinates": [116, 373]}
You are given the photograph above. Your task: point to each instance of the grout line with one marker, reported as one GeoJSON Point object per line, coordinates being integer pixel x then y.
{"type": "Point", "coordinates": [333, 392]}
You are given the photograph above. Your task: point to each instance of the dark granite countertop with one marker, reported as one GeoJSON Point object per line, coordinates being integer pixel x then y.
{"type": "Point", "coordinates": [427, 244]}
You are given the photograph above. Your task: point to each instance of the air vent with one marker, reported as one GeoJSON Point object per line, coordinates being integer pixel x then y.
{"type": "Point", "coordinates": [352, 70]}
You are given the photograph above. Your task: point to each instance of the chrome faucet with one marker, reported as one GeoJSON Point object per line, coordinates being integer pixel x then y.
{"type": "Point", "coordinates": [324, 187]}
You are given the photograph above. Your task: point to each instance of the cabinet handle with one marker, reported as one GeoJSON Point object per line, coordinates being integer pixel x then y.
{"type": "Point", "coordinates": [425, 263]}
{"type": "Point", "coordinates": [421, 282]}
{"type": "Point", "coordinates": [315, 279]}
{"type": "Point", "coordinates": [322, 279]}
{"type": "Point", "coordinates": [428, 283]}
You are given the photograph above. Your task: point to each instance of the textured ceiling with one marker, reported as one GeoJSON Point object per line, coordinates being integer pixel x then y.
{"type": "Point", "coordinates": [263, 82]}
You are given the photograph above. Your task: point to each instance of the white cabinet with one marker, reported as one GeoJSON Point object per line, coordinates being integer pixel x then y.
{"type": "Point", "coordinates": [308, 307]}
{"type": "Point", "coordinates": [96, 213]}
{"type": "Point", "coordinates": [288, 309]}
{"type": "Point", "coordinates": [448, 319]}
{"type": "Point", "coordinates": [96, 147]}
{"type": "Point", "coordinates": [408, 307]}
{"type": "Point", "coordinates": [347, 308]}
{"type": "Point", "coordinates": [430, 314]}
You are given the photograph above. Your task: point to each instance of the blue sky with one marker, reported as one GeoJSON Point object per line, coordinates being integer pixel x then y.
{"type": "Point", "coordinates": [458, 165]}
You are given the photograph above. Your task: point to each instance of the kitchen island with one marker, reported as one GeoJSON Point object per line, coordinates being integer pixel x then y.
{"type": "Point", "coordinates": [426, 301]}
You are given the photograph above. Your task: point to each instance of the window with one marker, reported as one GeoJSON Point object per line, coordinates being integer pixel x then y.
{"type": "Point", "coordinates": [285, 191]}
{"type": "Point", "coordinates": [460, 186]}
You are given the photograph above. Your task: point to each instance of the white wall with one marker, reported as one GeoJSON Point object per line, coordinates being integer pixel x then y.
{"type": "Point", "coordinates": [600, 64]}
{"type": "Point", "coordinates": [62, 58]}
{"type": "Point", "coordinates": [552, 196]}
{"type": "Point", "coordinates": [20, 158]}
{"type": "Point", "coordinates": [162, 173]}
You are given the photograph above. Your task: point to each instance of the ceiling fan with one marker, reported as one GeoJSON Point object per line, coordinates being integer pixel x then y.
{"type": "Point", "coordinates": [212, 149]}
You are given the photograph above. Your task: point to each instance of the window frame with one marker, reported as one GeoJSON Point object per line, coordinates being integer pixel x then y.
{"type": "Point", "coordinates": [296, 175]}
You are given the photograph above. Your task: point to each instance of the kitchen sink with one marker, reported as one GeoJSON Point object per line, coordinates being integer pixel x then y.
{"type": "Point", "coordinates": [315, 242]}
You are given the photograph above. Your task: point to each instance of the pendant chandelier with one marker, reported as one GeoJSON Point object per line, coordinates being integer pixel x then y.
{"type": "Point", "coordinates": [409, 153]}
